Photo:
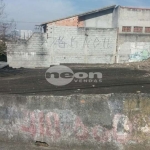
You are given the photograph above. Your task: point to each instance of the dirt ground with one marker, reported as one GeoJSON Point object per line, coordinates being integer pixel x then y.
{"type": "Point", "coordinates": [108, 146]}
{"type": "Point", "coordinates": [117, 78]}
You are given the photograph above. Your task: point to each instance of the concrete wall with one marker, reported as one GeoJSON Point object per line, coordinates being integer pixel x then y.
{"type": "Point", "coordinates": [113, 121]}
{"type": "Point", "coordinates": [133, 17]}
{"type": "Point", "coordinates": [29, 54]}
{"type": "Point", "coordinates": [115, 17]}
{"type": "Point", "coordinates": [64, 45]}
{"type": "Point", "coordinates": [98, 20]}
{"type": "Point", "coordinates": [133, 47]}
{"type": "Point", "coordinates": [81, 45]}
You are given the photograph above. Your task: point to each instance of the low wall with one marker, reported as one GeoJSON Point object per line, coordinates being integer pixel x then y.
{"type": "Point", "coordinates": [29, 54]}
{"type": "Point", "coordinates": [113, 121]}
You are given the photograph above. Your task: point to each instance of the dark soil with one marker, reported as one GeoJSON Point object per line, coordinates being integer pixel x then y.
{"type": "Point", "coordinates": [115, 80]}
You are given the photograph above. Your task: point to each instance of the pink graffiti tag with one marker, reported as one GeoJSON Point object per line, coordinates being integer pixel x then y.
{"type": "Point", "coordinates": [53, 128]}
{"type": "Point", "coordinates": [101, 134]}
{"type": "Point", "coordinates": [43, 125]}
{"type": "Point", "coordinates": [32, 128]}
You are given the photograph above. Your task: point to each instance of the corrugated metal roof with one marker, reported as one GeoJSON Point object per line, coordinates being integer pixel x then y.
{"type": "Point", "coordinates": [83, 14]}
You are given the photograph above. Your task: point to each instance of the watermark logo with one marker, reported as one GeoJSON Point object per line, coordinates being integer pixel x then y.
{"type": "Point", "coordinates": [63, 75]}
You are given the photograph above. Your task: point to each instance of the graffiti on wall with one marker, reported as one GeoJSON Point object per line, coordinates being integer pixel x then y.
{"type": "Point", "coordinates": [74, 42]}
{"type": "Point", "coordinates": [138, 113]}
{"type": "Point", "coordinates": [130, 122]}
{"type": "Point", "coordinates": [39, 124]}
{"type": "Point", "coordinates": [139, 51]}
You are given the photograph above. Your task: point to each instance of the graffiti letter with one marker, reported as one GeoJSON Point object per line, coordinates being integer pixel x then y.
{"type": "Point", "coordinates": [53, 125]}
{"type": "Point", "coordinates": [80, 129]}
{"type": "Point", "coordinates": [32, 127]}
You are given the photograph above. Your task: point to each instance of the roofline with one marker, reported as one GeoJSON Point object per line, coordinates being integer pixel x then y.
{"type": "Point", "coordinates": [82, 14]}
{"type": "Point", "coordinates": [134, 7]}
{"type": "Point", "coordinates": [97, 10]}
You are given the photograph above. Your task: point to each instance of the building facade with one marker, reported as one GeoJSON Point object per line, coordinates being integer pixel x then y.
{"type": "Point", "coordinates": [25, 34]}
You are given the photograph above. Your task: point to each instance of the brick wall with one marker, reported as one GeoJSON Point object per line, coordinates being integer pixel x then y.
{"type": "Point", "coordinates": [126, 29]}
{"type": "Point", "coordinates": [138, 29]}
{"type": "Point", "coordinates": [147, 29]}
{"type": "Point", "coordinates": [73, 21]}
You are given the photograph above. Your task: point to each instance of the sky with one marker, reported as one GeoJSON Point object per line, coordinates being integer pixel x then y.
{"type": "Point", "coordinates": [28, 13]}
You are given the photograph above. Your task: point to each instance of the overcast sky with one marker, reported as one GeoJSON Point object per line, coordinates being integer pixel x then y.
{"type": "Point", "coordinates": [28, 13]}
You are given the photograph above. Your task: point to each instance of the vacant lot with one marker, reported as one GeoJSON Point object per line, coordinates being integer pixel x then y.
{"type": "Point", "coordinates": [127, 78]}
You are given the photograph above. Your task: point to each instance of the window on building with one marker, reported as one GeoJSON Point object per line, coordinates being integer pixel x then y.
{"type": "Point", "coordinates": [147, 29]}
{"type": "Point", "coordinates": [138, 29]}
{"type": "Point", "coordinates": [126, 29]}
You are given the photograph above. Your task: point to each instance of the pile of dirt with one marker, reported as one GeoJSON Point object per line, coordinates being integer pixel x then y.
{"type": "Point", "coordinates": [142, 65]}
